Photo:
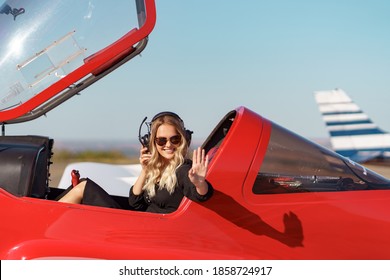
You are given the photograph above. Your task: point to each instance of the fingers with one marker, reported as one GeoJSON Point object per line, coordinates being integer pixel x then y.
{"type": "Point", "coordinates": [194, 157]}
{"type": "Point", "coordinates": [200, 162]}
{"type": "Point", "coordinates": [144, 156]}
{"type": "Point", "coordinates": [144, 150]}
{"type": "Point", "coordinates": [199, 157]}
{"type": "Point", "coordinates": [205, 159]}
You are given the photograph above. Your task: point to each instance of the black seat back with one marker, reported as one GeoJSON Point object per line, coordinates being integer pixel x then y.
{"type": "Point", "coordinates": [24, 165]}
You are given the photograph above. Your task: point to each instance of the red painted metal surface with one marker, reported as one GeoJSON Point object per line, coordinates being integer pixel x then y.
{"type": "Point", "coordinates": [233, 224]}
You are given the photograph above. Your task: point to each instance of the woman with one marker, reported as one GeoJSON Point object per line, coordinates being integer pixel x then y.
{"type": "Point", "coordinates": [166, 176]}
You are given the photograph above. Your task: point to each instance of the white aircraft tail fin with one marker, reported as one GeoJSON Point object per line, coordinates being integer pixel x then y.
{"type": "Point", "coordinates": [352, 132]}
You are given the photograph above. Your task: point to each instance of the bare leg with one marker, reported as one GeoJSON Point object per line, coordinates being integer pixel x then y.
{"type": "Point", "coordinates": [75, 195]}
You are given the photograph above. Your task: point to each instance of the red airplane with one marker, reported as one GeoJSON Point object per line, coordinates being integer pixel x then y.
{"type": "Point", "coordinates": [277, 195]}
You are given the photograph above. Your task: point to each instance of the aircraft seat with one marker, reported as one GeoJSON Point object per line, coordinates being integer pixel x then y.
{"type": "Point", "coordinates": [24, 165]}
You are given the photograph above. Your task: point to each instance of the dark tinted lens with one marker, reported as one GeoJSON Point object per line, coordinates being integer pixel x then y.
{"type": "Point", "coordinates": [175, 139]}
{"type": "Point", "coordinates": [161, 141]}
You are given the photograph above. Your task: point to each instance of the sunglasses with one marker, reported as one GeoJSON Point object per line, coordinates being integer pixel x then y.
{"type": "Point", "coordinates": [161, 141]}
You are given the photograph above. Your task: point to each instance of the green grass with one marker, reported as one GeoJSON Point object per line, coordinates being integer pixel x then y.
{"type": "Point", "coordinates": [112, 156]}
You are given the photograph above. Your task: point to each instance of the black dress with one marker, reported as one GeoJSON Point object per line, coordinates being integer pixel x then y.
{"type": "Point", "coordinates": [163, 202]}
{"type": "Point", "coordinates": [94, 195]}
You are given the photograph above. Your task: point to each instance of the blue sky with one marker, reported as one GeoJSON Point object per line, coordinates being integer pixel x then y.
{"type": "Point", "coordinates": [205, 58]}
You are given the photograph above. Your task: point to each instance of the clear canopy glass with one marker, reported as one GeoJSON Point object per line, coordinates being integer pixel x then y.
{"type": "Point", "coordinates": [43, 41]}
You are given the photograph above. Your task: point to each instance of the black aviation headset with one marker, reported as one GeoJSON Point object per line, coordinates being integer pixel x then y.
{"type": "Point", "coordinates": [145, 140]}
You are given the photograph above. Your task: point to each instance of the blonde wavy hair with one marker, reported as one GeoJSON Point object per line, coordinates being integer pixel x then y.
{"type": "Point", "coordinates": [158, 171]}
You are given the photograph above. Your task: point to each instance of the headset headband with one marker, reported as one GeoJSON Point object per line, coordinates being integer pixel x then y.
{"type": "Point", "coordinates": [167, 113]}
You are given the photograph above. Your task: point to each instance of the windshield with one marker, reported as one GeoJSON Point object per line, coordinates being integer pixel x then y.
{"type": "Point", "coordinates": [43, 41]}
{"type": "Point", "coordinates": [295, 164]}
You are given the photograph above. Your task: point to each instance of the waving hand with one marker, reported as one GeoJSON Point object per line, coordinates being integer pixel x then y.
{"type": "Point", "coordinates": [197, 174]}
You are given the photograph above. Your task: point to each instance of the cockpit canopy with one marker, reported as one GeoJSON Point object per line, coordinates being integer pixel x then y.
{"type": "Point", "coordinates": [52, 49]}
{"type": "Point", "coordinates": [291, 163]}
{"type": "Point", "coordinates": [295, 164]}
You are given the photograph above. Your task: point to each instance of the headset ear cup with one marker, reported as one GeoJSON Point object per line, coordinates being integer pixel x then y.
{"type": "Point", "coordinates": [145, 140]}
{"type": "Point", "coordinates": [189, 136]}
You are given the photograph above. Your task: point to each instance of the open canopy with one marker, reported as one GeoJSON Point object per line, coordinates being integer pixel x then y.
{"type": "Point", "coordinates": [52, 49]}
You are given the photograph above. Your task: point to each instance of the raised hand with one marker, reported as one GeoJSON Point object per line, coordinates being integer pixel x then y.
{"type": "Point", "coordinates": [144, 157]}
{"type": "Point", "coordinates": [198, 171]}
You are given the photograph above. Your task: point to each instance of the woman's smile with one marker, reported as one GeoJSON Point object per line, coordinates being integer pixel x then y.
{"type": "Point", "coordinates": [166, 131]}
